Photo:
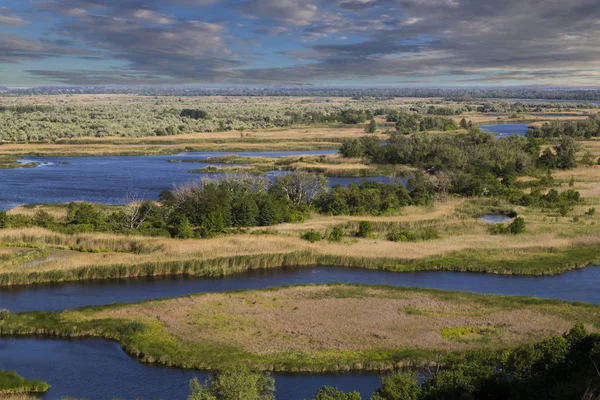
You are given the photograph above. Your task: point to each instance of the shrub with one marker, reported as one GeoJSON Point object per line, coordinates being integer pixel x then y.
{"type": "Point", "coordinates": [400, 236]}
{"type": "Point", "coordinates": [312, 236]}
{"type": "Point", "coordinates": [517, 226]}
{"type": "Point", "coordinates": [365, 228]}
{"type": "Point", "coordinates": [337, 234]}
{"type": "Point", "coordinates": [4, 220]}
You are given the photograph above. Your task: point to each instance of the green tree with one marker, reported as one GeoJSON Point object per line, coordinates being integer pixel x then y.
{"type": "Point", "coordinates": [371, 127]}
{"type": "Point", "coordinates": [235, 383]}
{"type": "Point", "coordinates": [464, 124]}
{"type": "Point", "coordinates": [213, 224]}
{"type": "Point", "coordinates": [180, 227]}
{"type": "Point", "coordinates": [399, 386]}
{"type": "Point", "coordinates": [331, 393]}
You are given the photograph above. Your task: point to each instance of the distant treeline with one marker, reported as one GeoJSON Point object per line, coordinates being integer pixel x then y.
{"type": "Point", "coordinates": [457, 94]}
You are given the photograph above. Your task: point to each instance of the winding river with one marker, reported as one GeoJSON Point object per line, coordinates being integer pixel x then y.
{"type": "Point", "coordinates": [98, 369]}
{"type": "Point", "coordinates": [576, 285]}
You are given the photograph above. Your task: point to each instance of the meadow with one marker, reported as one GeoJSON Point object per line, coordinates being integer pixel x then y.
{"type": "Point", "coordinates": [312, 328]}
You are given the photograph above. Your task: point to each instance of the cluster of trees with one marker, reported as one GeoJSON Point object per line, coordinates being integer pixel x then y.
{"type": "Point", "coordinates": [345, 116]}
{"type": "Point", "coordinates": [587, 128]}
{"type": "Point", "coordinates": [556, 368]}
{"type": "Point", "coordinates": [372, 198]}
{"type": "Point", "coordinates": [214, 206]}
{"type": "Point", "coordinates": [411, 122]}
{"type": "Point", "coordinates": [472, 164]}
{"type": "Point", "coordinates": [195, 114]}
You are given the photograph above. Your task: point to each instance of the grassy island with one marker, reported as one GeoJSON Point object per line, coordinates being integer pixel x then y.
{"type": "Point", "coordinates": [312, 328]}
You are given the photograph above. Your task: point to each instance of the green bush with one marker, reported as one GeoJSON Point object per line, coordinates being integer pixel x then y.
{"type": "Point", "coordinates": [400, 236]}
{"type": "Point", "coordinates": [365, 228]}
{"type": "Point", "coordinates": [4, 220]}
{"type": "Point", "coordinates": [517, 226]}
{"type": "Point", "coordinates": [337, 234]}
{"type": "Point", "coordinates": [312, 236]}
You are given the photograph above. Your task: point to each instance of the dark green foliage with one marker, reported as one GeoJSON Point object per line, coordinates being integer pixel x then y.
{"type": "Point", "coordinates": [410, 236]}
{"type": "Point", "coordinates": [180, 227]}
{"type": "Point", "coordinates": [399, 385]}
{"type": "Point", "coordinates": [576, 129]}
{"type": "Point", "coordinates": [195, 114]}
{"type": "Point", "coordinates": [84, 214]}
{"type": "Point", "coordinates": [337, 234]}
{"type": "Point", "coordinates": [331, 393]}
{"type": "Point", "coordinates": [516, 227]}
{"type": "Point", "coordinates": [234, 383]}
{"type": "Point", "coordinates": [371, 127]}
{"type": "Point", "coordinates": [365, 228]}
{"type": "Point", "coordinates": [365, 198]}
{"type": "Point", "coordinates": [410, 122]}
{"type": "Point", "coordinates": [312, 236]}
{"type": "Point", "coordinates": [4, 220]}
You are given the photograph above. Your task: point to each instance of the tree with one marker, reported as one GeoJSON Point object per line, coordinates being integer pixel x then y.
{"type": "Point", "coordinates": [180, 227]}
{"type": "Point", "coordinates": [399, 386]}
{"type": "Point", "coordinates": [464, 124]}
{"type": "Point", "coordinates": [371, 127]}
{"type": "Point", "coordinates": [565, 153]}
{"type": "Point", "coordinates": [135, 211]}
{"type": "Point", "coordinates": [235, 383]}
{"type": "Point", "coordinates": [302, 187]}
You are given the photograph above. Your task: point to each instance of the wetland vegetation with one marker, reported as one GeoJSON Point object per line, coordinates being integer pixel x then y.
{"type": "Point", "coordinates": [442, 176]}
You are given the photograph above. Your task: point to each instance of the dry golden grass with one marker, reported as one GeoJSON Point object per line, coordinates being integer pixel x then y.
{"type": "Point", "coordinates": [339, 318]}
{"type": "Point", "coordinates": [544, 229]}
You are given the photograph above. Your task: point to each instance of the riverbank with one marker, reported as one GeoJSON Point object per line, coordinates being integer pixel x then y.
{"type": "Point", "coordinates": [463, 242]}
{"type": "Point", "coordinates": [312, 328]}
{"type": "Point", "coordinates": [12, 383]}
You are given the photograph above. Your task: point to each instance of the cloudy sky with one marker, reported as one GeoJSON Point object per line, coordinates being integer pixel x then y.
{"type": "Point", "coordinates": [323, 42]}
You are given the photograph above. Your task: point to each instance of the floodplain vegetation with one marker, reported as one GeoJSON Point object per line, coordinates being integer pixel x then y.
{"type": "Point", "coordinates": [443, 174]}
{"type": "Point", "coordinates": [312, 328]}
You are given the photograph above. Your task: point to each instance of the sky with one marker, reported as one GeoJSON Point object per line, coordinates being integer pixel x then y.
{"type": "Point", "coordinates": [424, 43]}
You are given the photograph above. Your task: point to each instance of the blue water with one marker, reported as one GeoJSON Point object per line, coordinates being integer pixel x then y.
{"type": "Point", "coordinates": [578, 285]}
{"type": "Point", "coordinates": [108, 179]}
{"type": "Point", "coordinates": [503, 130]}
{"type": "Point", "coordinates": [100, 370]}
{"type": "Point", "coordinates": [493, 218]}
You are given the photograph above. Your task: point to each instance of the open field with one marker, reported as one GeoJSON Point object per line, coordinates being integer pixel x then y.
{"type": "Point", "coordinates": [313, 328]}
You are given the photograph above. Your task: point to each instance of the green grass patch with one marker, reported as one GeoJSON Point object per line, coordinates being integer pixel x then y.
{"type": "Point", "coordinates": [13, 383]}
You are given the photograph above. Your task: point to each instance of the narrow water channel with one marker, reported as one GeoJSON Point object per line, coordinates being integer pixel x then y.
{"type": "Point", "coordinates": [577, 285]}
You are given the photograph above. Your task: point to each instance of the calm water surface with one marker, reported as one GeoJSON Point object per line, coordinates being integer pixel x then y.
{"type": "Point", "coordinates": [495, 219]}
{"type": "Point", "coordinates": [99, 369]}
{"type": "Point", "coordinates": [578, 285]}
{"type": "Point", "coordinates": [108, 179]}
{"type": "Point", "coordinates": [503, 130]}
